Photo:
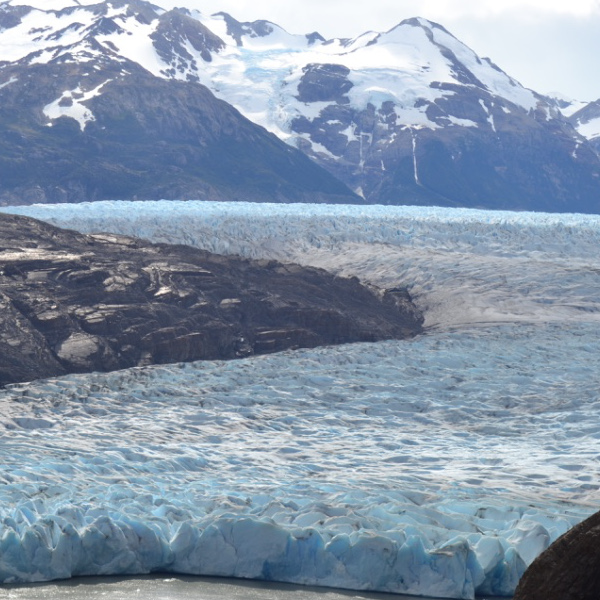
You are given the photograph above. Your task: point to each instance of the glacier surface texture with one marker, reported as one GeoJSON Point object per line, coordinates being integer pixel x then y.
{"type": "Point", "coordinates": [438, 466]}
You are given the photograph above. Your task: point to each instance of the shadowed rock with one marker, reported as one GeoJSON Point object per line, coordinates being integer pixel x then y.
{"type": "Point", "coordinates": [77, 303]}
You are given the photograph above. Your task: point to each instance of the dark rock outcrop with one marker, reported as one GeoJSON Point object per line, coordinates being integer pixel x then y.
{"type": "Point", "coordinates": [175, 29]}
{"type": "Point", "coordinates": [324, 83]}
{"type": "Point", "coordinates": [76, 303]}
{"type": "Point", "coordinates": [569, 569]}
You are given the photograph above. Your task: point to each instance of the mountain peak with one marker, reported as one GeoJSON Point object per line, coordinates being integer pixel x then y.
{"type": "Point", "coordinates": [262, 33]}
{"type": "Point", "coordinates": [176, 30]}
{"type": "Point", "coordinates": [238, 30]}
{"type": "Point", "coordinates": [423, 23]}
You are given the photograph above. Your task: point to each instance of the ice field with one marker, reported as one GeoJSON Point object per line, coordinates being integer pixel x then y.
{"type": "Point", "coordinates": [437, 466]}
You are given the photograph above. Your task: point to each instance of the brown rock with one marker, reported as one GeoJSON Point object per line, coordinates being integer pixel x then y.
{"type": "Point", "coordinates": [77, 303]}
{"type": "Point", "coordinates": [569, 569]}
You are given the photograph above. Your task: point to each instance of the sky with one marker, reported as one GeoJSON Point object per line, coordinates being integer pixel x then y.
{"type": "Point", "coordinates": [547, 45]}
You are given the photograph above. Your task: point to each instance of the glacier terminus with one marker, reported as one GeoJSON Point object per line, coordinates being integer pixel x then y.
{"type": "Point", "coordinates": [440, 465]}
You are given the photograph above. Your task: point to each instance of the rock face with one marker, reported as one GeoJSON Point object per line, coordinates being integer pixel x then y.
{"type": "Point", "coordinates": [77, 303]}
{"type": "Point", "coordinates": [569, 569]}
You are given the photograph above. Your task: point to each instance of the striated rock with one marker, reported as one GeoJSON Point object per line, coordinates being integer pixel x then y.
{"type": "Point", "coordinates": [569, 569]}
{"type": "Point", "coordinates": [77, 303]}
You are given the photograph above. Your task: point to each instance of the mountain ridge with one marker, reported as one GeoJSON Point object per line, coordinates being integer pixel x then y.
{"type": "Point", "coordinates": [407, 116]}
{"type": "Point", "coordinates": [81, 122]}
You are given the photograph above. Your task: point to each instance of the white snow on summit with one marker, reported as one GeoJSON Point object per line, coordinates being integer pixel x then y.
{"type": "Point", "coordinates": [134, 43]}
{"type": "Point", "coordinates": [36, 30]}
{"type": "Point", "coordinates": [399, 65]}
{"type": "Point", "coordinates": [568, 106]}
{"type": "Point", "coordinates": [260, 67]}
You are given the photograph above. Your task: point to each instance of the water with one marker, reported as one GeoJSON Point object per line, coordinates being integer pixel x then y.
{"type": "Point", "coordinates": [184, 588]}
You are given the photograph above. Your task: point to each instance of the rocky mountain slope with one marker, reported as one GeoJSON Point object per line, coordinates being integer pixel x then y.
{"type": "Point", "coordinates": [79, 121]}
{"type": "Point", "coordinates": [105, 100]}
{"type": "Point", "coordinates": [409, 116]}
{"type": "Point", "coordinates": [76, 303]}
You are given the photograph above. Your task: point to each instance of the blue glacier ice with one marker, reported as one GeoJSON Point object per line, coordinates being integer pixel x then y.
{"type": "Point", "coordinates": [439, 466]}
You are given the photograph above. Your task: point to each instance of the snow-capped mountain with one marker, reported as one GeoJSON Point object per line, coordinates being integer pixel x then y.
{"type": "Point", "coordinates": [81, 119]}
{"type": "Point", "coordinates": [409, 116]}
{"type": "Point", "coordinates": [587, 122]}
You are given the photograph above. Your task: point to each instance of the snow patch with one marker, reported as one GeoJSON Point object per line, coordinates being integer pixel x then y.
{"type": "Point", "coordinates": [590, 130]}
{"type": "Point", "coordinates": [414, 150]}
{"type": "Point", "coordinates": [490, 116]}
{"type": "Point", "coordinates": [135, 44]}
{"type": "Point", "coordinates": [6, 83]}
{"type": "Point", "coordinates": [71, 104]}
{"type": "Point", "coordinates": [36, 30]}
{"type": "Point", "coordinates": [320, 149]}
{"type": "Point", "coordinates": [462, 122]}
{"type": "Point", "coordinates": [568, 106]}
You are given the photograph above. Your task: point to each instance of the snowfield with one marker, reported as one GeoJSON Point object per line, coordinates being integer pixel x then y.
{"type": "Point", "coordinates": [436, 466]}
{"type": "Point", "coordinates": [399, 65]}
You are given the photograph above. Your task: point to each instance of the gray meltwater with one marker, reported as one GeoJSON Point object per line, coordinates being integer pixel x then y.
{"type": "Point", "coordinates": [182, 588]}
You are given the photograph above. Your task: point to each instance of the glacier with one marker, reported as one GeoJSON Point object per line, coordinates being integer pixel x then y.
{"type": "Point", "coordinates": [439, 466]}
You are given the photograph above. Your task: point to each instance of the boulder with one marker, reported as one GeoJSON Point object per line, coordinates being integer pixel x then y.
{"type": "Point", "coordinates": [569, 569]}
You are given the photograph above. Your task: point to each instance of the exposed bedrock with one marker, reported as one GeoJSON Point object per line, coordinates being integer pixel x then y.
{"type": "Point", "coordinates": [79, 303]}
